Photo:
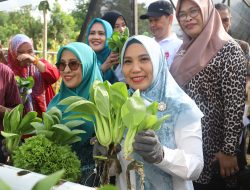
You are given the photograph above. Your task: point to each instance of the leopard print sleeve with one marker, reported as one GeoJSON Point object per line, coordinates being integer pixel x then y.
{"type": "Point", "coordinates": [233, 72]}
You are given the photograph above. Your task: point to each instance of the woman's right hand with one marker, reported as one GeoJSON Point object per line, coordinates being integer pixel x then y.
{"type": "Point", "coordinates": [113, 59]}
{"type": "Point", "coordinates": [98, 149]}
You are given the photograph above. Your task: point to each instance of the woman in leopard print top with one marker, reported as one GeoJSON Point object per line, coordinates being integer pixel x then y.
{"type": "Point", "coordinates": [210, 68]}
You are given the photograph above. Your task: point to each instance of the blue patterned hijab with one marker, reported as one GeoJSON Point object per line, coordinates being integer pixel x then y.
{"type": "Point", "coordinates": [104, 53]}
{"type": "Point", "coordinates": [163, 89]}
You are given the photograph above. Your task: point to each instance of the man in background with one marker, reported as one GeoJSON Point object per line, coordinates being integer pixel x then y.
{"type": "Point", "coordinates": [160, 16]}
{"type": "Point", "coordinates": [226, 19]}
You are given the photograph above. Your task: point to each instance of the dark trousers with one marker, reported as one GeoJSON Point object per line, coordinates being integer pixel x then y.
{"type": "Point", "coordinates": [2, 158]}
{"type": "Point", "coordinates": [215, 184]}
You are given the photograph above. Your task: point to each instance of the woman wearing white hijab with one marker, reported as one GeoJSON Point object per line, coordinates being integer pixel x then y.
{"type": "Point", "coordinates": [172, 155]}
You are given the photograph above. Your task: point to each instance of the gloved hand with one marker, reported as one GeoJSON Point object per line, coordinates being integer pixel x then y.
{"type": "Point", "coordinates": [99, 150]}
{"type": "Point", "coordinates": [148, 147]}
{"type": "Point", "coordinates": [4, 154]}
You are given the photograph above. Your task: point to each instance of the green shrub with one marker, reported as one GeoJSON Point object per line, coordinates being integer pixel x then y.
{"type": "Point", "coordinates": [40, 155]}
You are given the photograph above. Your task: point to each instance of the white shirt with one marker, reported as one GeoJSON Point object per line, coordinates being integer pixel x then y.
{"type": "Point", "coordinates": [184, 163]}
{"type": "Point", "coordinates": [170, 46]}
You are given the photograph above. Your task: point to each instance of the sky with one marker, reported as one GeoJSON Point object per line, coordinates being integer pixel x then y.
{"type": "Point", "coordinates": [11, 5]}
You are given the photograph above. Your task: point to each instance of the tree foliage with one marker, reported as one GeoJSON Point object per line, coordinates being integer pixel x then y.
{"type": "Point", "coordinates": [19, 22]}
{"type": "Point", "coordinates": [63, 27]}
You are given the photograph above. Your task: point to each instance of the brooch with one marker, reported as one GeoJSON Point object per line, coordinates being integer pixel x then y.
{"type": "Point", "coordinates": [162, 106]}
{"type": "Point", "coordinates": [181, 52]}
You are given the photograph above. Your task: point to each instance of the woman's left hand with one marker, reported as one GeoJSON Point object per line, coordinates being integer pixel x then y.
{"type": "Point", "coordinates": [112, 59]}
{"type": "Point", "coordinates": [228, 164]}
{"type": "Point", "coordinates": [148, 146]}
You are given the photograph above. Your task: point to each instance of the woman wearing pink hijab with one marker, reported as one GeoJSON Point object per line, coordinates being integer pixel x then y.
{"type": "Point", "coordinates": [210, 68]}
{"type": "Point", "coordinates": [24, 63]}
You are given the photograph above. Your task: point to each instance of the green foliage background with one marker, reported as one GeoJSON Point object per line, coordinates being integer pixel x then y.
{"type": "Point", "coordinates": [62, 27]}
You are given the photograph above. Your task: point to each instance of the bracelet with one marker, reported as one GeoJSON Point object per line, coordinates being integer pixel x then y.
{"type": "Point", "coordinates": [36, 60]}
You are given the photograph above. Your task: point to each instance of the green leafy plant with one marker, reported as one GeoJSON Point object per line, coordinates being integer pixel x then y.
{"type": "Point", "coordinates": [38, 154]}
{"type": "Point", "coordinates": [104, 110]}
{"type": "Point", "coordinates": [112, 110]}
{"type": "Point", "coordinates": [117, 41]}
{"type": "Point", "coordinates": [49, 181]}
{"type": "Point", "coordinates": [136, 116]}
{"type": "Point", "coordinates": [15, 125]}
{"type": "Point", "coordinates": [44, 184]}
{"type": "Point", "coordinates": [25, 85]}
{"type": "Point", "coordinates": [4, 186]}
{"type": "Point", "coordinates": [55, 131]}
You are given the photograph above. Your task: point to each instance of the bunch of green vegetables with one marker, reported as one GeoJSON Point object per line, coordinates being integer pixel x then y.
{"type": "Point", "coordinates": [137, 117]}
{"type": "Point", "coordinates": [55, 131]}
{"type": "Point", "coordinates": [25, 86]}
{"type": "Point", "coordinates": [111, 109]}
{"type": "Point", "coordinates": [39, 154]}
{"type": "Point", "coordinates": [103, 109]}
{"type": "Point", "coordinates": [15, 125]}
{"type": "Point", "coordinates": [117, 41]}
{"type": "Point", "coordinates": [49, 150]}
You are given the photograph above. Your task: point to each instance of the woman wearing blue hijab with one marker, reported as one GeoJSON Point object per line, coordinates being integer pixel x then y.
{"type": "Point", "coordinates": [97, 34]}
{"type": "Point", "coordinates": [79, 69]}
{"type": "Point", "coordinates": [172, 156]}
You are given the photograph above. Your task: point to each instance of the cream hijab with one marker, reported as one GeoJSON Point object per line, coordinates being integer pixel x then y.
{"type": "Point", "coordinates": [195, 54]}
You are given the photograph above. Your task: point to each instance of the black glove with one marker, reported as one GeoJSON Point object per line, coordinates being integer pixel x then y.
{"type": "Point", "coordinates": [4, 153]}
{"type": "Point", "coordinates": [99, 150]}
{"type": "Point", "coordinates": [148, 146]}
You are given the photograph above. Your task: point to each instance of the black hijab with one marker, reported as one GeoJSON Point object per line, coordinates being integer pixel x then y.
{"type": "Point", "coordinates": [112, 16]}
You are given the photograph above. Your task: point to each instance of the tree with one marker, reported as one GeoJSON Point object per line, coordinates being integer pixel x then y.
{"type": "Point", "coordinates": [19, 22]}
{"type": "Point", "coordinates": [61, 26]}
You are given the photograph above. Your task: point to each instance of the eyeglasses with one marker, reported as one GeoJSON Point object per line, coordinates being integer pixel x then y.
{"type": "Point", "coordinates": [72, 64]}
{"type": "Point", "coordinates": [192, 13]}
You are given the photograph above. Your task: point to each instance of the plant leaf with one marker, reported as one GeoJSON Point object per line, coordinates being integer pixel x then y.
{"type": "Point", "coordinates": [49, 181]}
{"type": "Point", "coordinates": [4, 186]}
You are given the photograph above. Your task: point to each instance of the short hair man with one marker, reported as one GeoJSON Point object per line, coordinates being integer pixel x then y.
{"type": "Point", "coordinates": [225, 15]}
{"type": "Point", "coordinates": [160, 16]}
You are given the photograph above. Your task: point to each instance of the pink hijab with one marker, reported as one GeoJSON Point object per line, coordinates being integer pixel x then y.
{"type": "Point", "coordinates": [195, 54]}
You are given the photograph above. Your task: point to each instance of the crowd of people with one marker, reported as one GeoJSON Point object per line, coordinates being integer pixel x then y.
{"type": "Point", "coordinates": [201, 79]}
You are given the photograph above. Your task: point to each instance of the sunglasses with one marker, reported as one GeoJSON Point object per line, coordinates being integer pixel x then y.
{"type": "Point", "coordinates": [72, 64]}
